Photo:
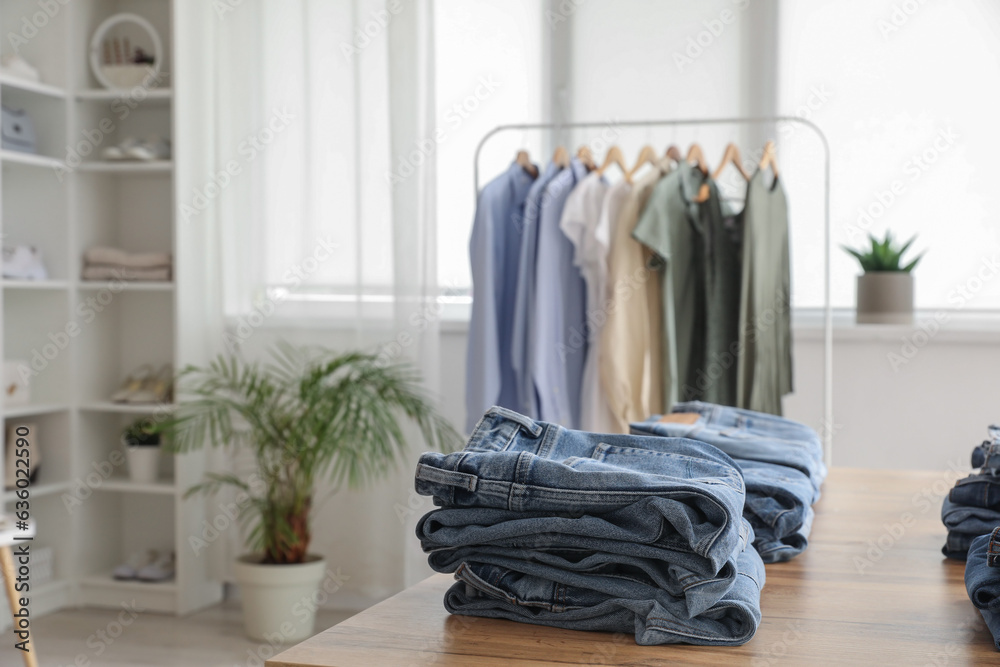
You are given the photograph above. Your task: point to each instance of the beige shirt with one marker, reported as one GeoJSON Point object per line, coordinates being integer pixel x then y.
{"type": "Point", "coordinates": [631, 356]}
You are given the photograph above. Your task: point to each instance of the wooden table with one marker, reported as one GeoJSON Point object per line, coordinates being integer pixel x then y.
{"type": "Point", "coordinates": [872, 589]}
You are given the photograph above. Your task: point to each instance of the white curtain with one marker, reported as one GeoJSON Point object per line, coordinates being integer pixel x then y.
{"type": "Point", "coordinates": [324, 207]}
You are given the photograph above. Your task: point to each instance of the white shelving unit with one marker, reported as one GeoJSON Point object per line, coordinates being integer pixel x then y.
{"type": "Point", "coordinates": [63, 206]}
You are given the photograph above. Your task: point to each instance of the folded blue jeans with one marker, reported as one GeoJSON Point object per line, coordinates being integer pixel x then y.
{"type": "Point", "coordinates": [496, 592]}
{"type": "Point", "coordinates": [980, 489]}
{"type": "Point", "coordinates": [778, 508]}
{"type": "Point", "coordinates": [969, 520]}
{"type": "Point", "coordinates": [986, 456]}
{"type": "Point", "coordinates": [745, 434]}
{"type": "Point", "coordinates": [580, 490]}
{"type": "Point", "coordinates": [982, 582]}
{"type": "Point", "coordinates": [956, 544]}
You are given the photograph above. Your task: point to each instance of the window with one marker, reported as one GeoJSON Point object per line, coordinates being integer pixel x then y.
{"type": "Point", "coordinates": [905, 93]}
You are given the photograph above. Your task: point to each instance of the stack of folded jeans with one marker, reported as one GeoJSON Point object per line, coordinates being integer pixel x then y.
{"type": "Point", "coordinates": [982, 579]}
{"type": "Point", "coordinates": [545, 525]}
{"type": "Point", "coordinates": [781, 461]}
{"type": "Point", "coordinates": [972, 508]}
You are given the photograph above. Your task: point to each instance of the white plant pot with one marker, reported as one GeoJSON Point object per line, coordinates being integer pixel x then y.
{"type": "Point", "coordinates": [885, 297]}
{"type": "Point", "coordinates": [143, 463]}
{"type": "Point", "coordinates": [279, 600]}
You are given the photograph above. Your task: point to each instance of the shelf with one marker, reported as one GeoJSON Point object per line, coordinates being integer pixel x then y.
{"type": "Point", "coordinates": [39, 491]}
{"type": "Point", "coordinates": [128, 167]}
{"type": "Point", "coordinates": [7, 81]}
{"type": "Point", "coordinates": [158, 95]}
{"type": "Point", "coordinates": [31, 160]}
{"type": "Point", "coordinates": [32, 409]}
{"type": "Point", "coordinates": [129, 408]}
{"type": "Point", "coordinates": [125, 485]}
{"type": "Point", "coordinates": [35, 284]}
{"type": "Point", "coordinates": [128, 584]}
{"type": "Point", "coordinates": [128, 286]}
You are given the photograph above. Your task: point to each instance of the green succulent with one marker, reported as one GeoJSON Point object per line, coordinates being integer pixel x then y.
{"type": "Point", "coordinates": [884, 255]}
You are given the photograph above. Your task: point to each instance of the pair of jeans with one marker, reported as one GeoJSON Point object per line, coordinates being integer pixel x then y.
{"type": "Point", "coordinates": [778, 508]}
{"type": "Point", "coordinates": [980, 489]}
{"type": "Point", "coordinates": [745, 434]}
{"type": "Point", "coordinates": [782, 465]}
{"type": "Point", "coordinates": [956, 544]}
{"type": "Point", "coordinates": [621, 606]}
{"type": "Point", "coordinates": [982, 582]}
{"type": "Point", "coordinates": [986, 456]}
{"type": "Point", "coordinates": [969, 519]}
{"type": "Point", "coordinates": [592, 529]}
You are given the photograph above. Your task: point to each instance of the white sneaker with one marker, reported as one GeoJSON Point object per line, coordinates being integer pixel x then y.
{"type": "Point", "coordinates": [149, 150]}
{"type": "Point", "coordinates": [120, 152]}
{"type": "Point", "coordinates": [23, 263]}
{"type": "Point", "coordinates": [136, 562]}
{"type": "Point", "coordinates": [161, 569]}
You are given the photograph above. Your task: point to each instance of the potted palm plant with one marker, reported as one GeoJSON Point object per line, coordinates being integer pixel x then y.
{"type": "Point", "coordinates": [885, 289]}
{"type": "Point", "coordinates": [306, 415]}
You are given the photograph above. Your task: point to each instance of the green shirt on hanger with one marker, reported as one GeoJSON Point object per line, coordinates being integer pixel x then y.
{"type": "Point", "coordinates": [765, 364]}
{"type": "Point", "coordinates": [671, 226]}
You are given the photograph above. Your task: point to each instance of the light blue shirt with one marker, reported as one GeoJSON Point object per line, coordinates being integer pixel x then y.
{"type": "Point", "coordinates": [494, 251]}
{"type": "Point", "coordinates": [558, 340]}
{"type": "Point", "coordinates": [527, 395]}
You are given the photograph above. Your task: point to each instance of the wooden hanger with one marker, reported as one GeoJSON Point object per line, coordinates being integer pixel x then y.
{"type": "Point", "coordinates": [674, 153]}
{"type": "Point", "coordinates": [697, 157]}
{"type": "Point", "coordinates": [586, 156]}
{"type": "Point", "coordinates": [769, 158]}
{"type": "Point", "coordinates": [524, 160]}
{"type": "Point", "coordinates": [561, 157]}
{"type": "Point", "coordinates": [732, 154]}
{"type": "Point", "coordinates": [614, 156]}
{"type": "Point", "coordinates": [646, 155]}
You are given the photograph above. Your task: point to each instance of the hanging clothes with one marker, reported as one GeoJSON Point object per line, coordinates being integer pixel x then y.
{"type": "Point", "coordinates": [558, 337]}
{"type": "Point", "coordinates": [631, 366]}
{"type": "Point", "coordinates": [672, 227]}
{"type": "Point", "coordinates": [524, 299]}
{"type": "Point", "coordinates": [586, 225]}
{"type": "Point", "coordinates": [765, 364]}
{"type": "Point", "coordinates": [724, 229]}
{"type": "Point", "coordinates": [494, 251]}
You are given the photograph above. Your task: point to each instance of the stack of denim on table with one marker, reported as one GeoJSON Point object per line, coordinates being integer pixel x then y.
{"type": "Point", "coordinates": [972, 508]}
{"type": "Point", "coordinates": [982, 579]}
{"type": "Point", "coordinates": [545, 525]}
{"type": "Point", "coordinates": [781, 461]}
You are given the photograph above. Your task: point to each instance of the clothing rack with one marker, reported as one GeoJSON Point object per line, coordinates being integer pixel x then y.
{"type": "Point", "coordinates": [826, 428]}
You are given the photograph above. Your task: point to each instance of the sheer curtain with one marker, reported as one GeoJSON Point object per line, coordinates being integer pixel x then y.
{"type": "Point", "coordinates": [322, 199]}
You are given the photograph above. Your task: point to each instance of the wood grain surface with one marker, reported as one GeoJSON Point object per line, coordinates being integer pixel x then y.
{"type": "Point", "coordinates": [871, 589]}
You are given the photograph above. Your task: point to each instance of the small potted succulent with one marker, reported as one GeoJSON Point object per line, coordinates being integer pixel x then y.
{"type": "Point", "coordinates": [142, 449]}
{"type": "Point", "coordinates": [885, 289]}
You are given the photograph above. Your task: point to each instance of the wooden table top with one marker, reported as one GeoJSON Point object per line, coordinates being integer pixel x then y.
{"type": "Point", "coordinates": [872, 588]}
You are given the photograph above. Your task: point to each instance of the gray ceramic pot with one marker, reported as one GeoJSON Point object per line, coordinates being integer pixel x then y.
{"type": "Point", "coordinates": [885, 297]}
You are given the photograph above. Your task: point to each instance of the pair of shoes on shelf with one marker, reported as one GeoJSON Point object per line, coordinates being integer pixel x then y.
{"type": "Point", "coordinates": [149, 565]}
{"type": "Point", "coordinates": [145, 386]}
{"type": "Point", "coordinates": [23, 262]}
{"type": "Point", "coordinates": [145, 150]}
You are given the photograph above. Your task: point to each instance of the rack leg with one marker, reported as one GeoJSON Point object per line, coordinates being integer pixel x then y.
{"type": "Point", "coordinates": [9, 574]}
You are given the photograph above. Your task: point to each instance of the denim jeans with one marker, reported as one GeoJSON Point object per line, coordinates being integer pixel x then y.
{"type": "Point", "coordinates": [969, 520]}
{"type": "Point", "coordinates": [778, 508]}
{"type": "Point", "coordinates": [980, 489]}
{"type": "Point", "coordinates": [986, 456]}
{"type": "Point", "coordinates": [982, 582]}
{"type": "Point", "coordinates": [497, 592]}
{"type": "Point", "coordinates": [588, 531]}
{"type": "Point", "coordinates": [582, 490]}
{"type": "Point", "coordinates": [957, 544]}
{"type": "Point", "coordinates": [745, 434]}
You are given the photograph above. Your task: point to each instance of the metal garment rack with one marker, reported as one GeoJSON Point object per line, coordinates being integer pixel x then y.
{"type": "Point", "coordinates": [827, 427]}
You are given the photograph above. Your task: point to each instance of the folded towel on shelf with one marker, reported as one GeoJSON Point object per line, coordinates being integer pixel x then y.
{"type": "Point", "coordinates": [104, 272]}
{"type": "Point", "coordinates": [102, 255]}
